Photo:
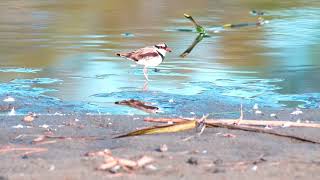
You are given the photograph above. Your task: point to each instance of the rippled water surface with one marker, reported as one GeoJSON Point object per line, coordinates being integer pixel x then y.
{"type": "Point", "coordinates": [61, 54]}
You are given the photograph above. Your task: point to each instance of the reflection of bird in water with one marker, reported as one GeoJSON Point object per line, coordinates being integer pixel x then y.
{"type": "Point", "coordinates": [148, 56]}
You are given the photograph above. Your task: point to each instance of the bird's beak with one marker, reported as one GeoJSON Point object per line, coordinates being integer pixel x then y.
{"type": "Point", "coordinates": [168, 49]}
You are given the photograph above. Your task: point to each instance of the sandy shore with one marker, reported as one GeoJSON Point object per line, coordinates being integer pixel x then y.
{"type": "Point", "coordinates": [213, 155]}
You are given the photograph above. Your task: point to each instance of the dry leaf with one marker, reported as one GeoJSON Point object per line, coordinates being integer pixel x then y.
{"type": "Point", "coordinates": [183, 126]}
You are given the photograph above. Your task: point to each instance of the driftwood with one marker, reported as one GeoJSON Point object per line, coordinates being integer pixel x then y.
{"type": "Point", "coordinates": [139, 105]}
{"type": "Point", "coordinates": [230, 124]}
{"type": "Point", "coordinates": [242, 122]}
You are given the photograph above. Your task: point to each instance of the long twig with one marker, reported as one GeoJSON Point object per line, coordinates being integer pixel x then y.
{"type": "Point", "coordinates": [260, 130]}
{"type": "Point", "coordinates": [243, 122]}
{"type": "Point", "coordinates": [229, 124]}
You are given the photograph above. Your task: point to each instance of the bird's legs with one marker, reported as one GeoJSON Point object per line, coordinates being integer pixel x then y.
{"type": "Point", "coordinates": [145, 72]}
{"type": "Point", "coordinates": [145, 86]}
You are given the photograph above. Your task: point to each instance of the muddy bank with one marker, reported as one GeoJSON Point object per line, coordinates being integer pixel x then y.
{"type": "Point", "coordinates": [217, 153]}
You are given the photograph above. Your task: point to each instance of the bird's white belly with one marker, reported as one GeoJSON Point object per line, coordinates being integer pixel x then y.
{"type": "Point", "coordinates": [155, 61]}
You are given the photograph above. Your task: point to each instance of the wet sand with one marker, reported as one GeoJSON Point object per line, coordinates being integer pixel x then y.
{"type": "Point", "coordinates": [248, 155]}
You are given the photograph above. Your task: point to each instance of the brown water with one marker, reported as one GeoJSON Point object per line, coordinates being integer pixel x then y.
{"type": "Point", "coordinates": [57, 52]}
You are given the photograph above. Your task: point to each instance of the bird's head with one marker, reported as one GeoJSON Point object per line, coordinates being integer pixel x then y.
{"type": "Point", "coordinates": [163, 48]}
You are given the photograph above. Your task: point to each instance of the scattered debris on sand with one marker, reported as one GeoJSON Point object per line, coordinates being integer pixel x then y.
{"type": "Point", "coordinates": [115, 164]}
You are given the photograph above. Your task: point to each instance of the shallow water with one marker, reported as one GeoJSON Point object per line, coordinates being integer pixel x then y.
{"type": "Point", "coordinates": [61, 54]}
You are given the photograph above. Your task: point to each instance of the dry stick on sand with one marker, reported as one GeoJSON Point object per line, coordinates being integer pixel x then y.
{"type": "Point", "coordinates": [229, 124]}
{"type": "Point", "coordinates": [243, 122]}
{"type": "Point", "coordinates": [45, 139]}
{"type": "Point", "coordinates": [28, 150]}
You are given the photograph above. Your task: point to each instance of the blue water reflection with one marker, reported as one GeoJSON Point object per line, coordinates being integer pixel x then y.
{"type": "Point", "coordinates": [53, 61]}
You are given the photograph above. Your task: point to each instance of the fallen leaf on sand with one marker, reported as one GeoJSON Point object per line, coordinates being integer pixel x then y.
{"type": "Point", "coordinates": [169, 128]}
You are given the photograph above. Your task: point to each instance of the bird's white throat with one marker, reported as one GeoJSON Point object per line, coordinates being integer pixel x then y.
{"type": "Point", "coordinates": [162, 51]}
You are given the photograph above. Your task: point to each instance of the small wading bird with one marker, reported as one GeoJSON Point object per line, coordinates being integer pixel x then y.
{"type": "Point", "coordinates": [150, 56]}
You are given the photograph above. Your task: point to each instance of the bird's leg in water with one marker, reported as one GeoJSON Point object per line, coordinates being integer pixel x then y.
{"type": "Point", "coordinates": [145, 86]}
{"type": "Point", "coordinates": [145, 72]}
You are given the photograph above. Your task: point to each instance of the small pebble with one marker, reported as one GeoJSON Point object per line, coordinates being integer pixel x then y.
{"type": "Point", "coordinates": [273, 115]}
{"type": "Point", "coordinates": [28, 118]}
{"type": "Point", "coordinates": [151, 167]}
{"type": "Point", "coordinates": [218, 162]}
{"type": "Point", "coordinates": [115, 169]}
{"type": "Point", "coordinates": [52, 168]}
{"type": "Point", "coordinates": [45, 126]}
{"type": "Point", "coordinates": [297, 112]}
{"type": "Point", "coordinates": [19, 126]}
{"type": "Point", "coordinates": [163, 148]}
{"type": "Point", "coordinates": [218, 170]}
{"type": "Point", "coordinates": [254, 168]}
{"type": "Point", "coordinates": [258, 112]}
{"type": "Point", "coordinates": [192, 161]}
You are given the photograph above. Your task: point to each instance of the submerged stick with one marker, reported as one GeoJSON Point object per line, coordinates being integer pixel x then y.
{"type": "Point", "coordinates": [138, 105]}
{"type": "Point", "coordinates": [194, 43]}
